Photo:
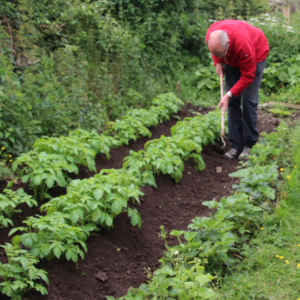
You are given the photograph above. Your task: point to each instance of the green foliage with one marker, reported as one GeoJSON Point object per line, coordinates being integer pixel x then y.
{"type": "Point", "coordinates": [52, 159]}
{"type": "Point", "coordinates": [201, 129]}
{"type": "Point", "coordinates": [281, 75]}
{"type": "Point", "coordinates": [50, 236]}
{"type": "Point", "coordinates": [165, 105]}
{"type": "Point", "coordinates": [258, 182]}
{"type": "Point", "coordinates": [17, 127]}
{"type": "Point", "coordinates": [5, 172]}
{"type": "Point", "coordinates": [127, 129]}
{"type": "Point", "coordinates": [178, 281]}
{"type": "Point", "coordinates": [43, 171]}
{"type": "Point", "coordinates": [71, 148]}
{"type": "Point", "coordinates": [280, 112]}
{"type": "Point", "coordinates": [99, 199]}
{"type": "Point", "coordinates": [223, 9]}
{"type": "Point", "coordinates": [221, 239]}
{"type": "Point", "coordinates": [167, 154]}
{"type": "Point", "coordinates": [20, 275]}
{"type": "Point", "coordinates": [9, 201]}
{"type": "Point", "coordinates": [162, 156]}
{"type": "Point", "coordinates": [77, 64]}
{"type": "Point", "coordinates": [270, 147]}
{"type": "Point", "coordinates": [239, 209]}
{"type": "Point", "coordinates": [283, 38]}
{"type": "Point", "coordinates": [270, 268]}
{"type": "Point", "coordinates": [98, 143]}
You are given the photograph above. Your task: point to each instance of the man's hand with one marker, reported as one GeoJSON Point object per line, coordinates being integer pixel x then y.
{"type": "Point", "coordinates": [224, 102]}
{"type": "Point", "coordinates": [219, 69]}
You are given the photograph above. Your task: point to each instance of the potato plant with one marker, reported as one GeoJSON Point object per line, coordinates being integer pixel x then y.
{"type": "Point", "coordinates": [50, 236]}
{"type": "Point", "coordinates": [177, 282]}
{"type": "Point", "coordinates": [148, 117]}
{"type": "Point", "coordinates": [43, 171]}
{"type": "Point", "coordinates": [165, 105]}
{"type": "Point", "coordinates": [73, 149]}
{"type": "Point", "coordinates": [99, 199]}
{"type": "Point", "coordinates": [20, 274]}
{"type": "Point", "coordinates": [98, 143]}
{"type": "Point", "coordinates": [159, 156]}
{"type": "Point", "coordinates": [167, 154]}
{"type": "Point", "coordinates": [9, 201]}
{"type": "Point", "coordinates": [201, 129]}
{"type": "Point", "coordinates": [127, 129]}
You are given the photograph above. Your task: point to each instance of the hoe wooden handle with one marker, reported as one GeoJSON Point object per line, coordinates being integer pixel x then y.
{"type": "Point", "coordinates": [222, 115]}
{"type": "Point", "coordinates": [222, 108]}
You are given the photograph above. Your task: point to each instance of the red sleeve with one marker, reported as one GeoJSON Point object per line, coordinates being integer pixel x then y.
{"type": "Point", "coordinates": [247, 66]}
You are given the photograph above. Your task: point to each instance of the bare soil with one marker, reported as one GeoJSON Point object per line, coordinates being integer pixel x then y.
{"type": "Point", "coordinates": [117, 258]}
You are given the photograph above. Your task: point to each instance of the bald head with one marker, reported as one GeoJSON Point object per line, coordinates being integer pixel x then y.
{"type": "Point", "coordinates": [217, 41]}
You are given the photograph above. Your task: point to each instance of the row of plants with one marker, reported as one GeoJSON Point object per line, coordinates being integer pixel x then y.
{"type": "Point", "coordinates": [95, 202]}
{"type": "Point", "coordinates": [52, 160]}
{"type": "Point", "coordinates": [191, 269]}
{"type": "Point", "coordinates": [167, 154]}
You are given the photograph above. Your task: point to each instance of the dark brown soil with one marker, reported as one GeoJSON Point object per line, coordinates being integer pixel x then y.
{"type": "Point", "coordinates": [124, 252]}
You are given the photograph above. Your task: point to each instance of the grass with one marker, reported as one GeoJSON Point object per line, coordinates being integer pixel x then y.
{"type": "Point", "coordinates": [271, 268]}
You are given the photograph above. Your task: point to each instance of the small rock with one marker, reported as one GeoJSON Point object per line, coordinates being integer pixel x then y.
{"type": "Point", "coordinates": [101, 276]}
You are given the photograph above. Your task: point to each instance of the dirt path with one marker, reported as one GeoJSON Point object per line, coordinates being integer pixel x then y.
{"type": "Point", "coordinates": [124, 252]}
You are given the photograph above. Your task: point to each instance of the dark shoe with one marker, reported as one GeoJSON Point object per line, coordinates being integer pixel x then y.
{"type": "Point", "coordinates": [245, 153]}
{"type": "Point", "coordinates": [231, 154]}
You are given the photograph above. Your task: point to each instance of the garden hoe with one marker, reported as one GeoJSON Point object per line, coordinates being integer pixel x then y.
{"type": "Point", "coordinates": [222, 116]}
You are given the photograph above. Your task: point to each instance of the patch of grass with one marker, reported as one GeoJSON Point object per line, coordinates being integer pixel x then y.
{"type": "Point", "coordinates": [271, 265]}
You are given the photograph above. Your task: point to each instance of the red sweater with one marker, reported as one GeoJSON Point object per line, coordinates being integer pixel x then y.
{"type": "Point", "coordinates": [248, 46]}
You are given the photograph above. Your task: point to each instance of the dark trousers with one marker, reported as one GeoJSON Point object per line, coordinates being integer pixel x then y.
{"type": "Point", "coordinates": [242, 120]}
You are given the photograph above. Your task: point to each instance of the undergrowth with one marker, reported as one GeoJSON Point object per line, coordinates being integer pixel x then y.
{"type": "Point", "coordinates": [271, 268]}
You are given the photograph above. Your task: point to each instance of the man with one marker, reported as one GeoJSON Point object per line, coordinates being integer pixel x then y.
{"type": "Point", "coordinates": [243, 50]}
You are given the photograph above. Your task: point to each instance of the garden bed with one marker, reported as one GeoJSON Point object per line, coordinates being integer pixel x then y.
{"type": "Point", "coordinates": [123, 253]}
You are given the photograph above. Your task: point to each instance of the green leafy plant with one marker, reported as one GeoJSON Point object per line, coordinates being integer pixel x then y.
{"type": "Point", "coordinates": [127, 129]}
{"type": "Point", "coordinates": [98, 143]}
{"type": "Point", "coordinates": [201, 129]}
{"type": "Point", "coordinates": [165, 105]}
{"type": "Point", "coordinates": [160, 156]}
{"type": "Point", "coordinates": [240, 210]}
{"type": "Point", "coordinates": [43, 171]}
{"type": "Point", "coordinates": [270, 147]}
{"type": "Point", "coordinates": [9, 201]}
{"type": "Point", "coordinates": [166, 155]}
{"type": "Point", "coordinates": [259, 183]}
{"type": "Point", "coordinates": [50, 236]}
{"type": "Point", "coordinates": [5, 172]}
{"type": "Point", "coordinates": [20, 274]}
{"type": "Point", "coordinates": [280, 112]}
{"type": "Point", "coordinates": [147, 117]}
{"type": "Point", "coordinates": [178, 281]}
{"type": "Point", "coordinates": [99, 199]}
{"type": "Point", "coordinates": [74, 150]}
